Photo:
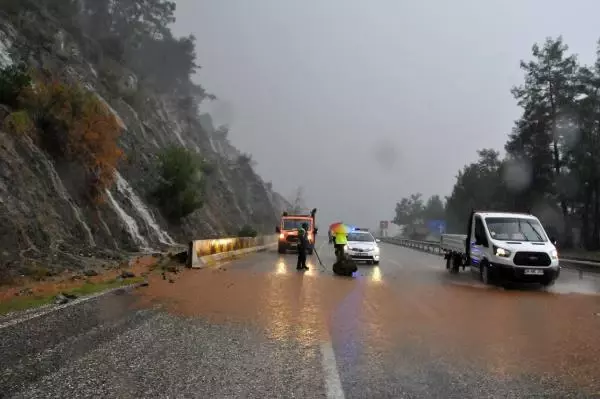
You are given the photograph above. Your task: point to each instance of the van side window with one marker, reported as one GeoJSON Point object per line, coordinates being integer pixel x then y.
{"type": "Point", "coordinates": [480, 232]}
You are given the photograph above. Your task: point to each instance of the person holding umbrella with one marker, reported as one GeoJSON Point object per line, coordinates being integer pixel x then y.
{"type": "Point", "coordinates": [340, 232]}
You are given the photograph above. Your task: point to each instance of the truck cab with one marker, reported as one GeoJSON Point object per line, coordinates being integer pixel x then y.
{"type": "Point", "coordinates": [288, 231]}
{"type": "Point", "coordinates": [510, 246]}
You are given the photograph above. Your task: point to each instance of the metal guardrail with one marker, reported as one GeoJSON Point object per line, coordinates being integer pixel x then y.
{"type": "Point", "coordinates": [434, 248]}
{"type": "Point", "coordinates": [427, 246]}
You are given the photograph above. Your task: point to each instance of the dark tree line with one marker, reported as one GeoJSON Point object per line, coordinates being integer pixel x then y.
{"type": "Point", "coordinates": [552, 165]}
{"type": "Point", "coordinates": [135, 34]}
{"type": "Point", "coordinates": [413, 210]}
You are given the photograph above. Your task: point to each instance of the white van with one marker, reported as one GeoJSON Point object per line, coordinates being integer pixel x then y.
{"type": "Point", "coordinates": [505, 246]}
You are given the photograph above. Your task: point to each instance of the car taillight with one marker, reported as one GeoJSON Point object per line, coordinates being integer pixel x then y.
{"type": "Point", "coordinates": [281, 236]}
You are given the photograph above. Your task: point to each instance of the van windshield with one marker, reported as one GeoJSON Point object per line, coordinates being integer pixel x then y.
{"type": "Point", "coordinates": [294, 224]}
{"type": "Point", "coordinates": [516, 229]}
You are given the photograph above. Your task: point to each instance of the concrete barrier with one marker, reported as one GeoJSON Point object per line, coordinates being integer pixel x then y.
{"type": "Point", "coordinates": [202, 253]}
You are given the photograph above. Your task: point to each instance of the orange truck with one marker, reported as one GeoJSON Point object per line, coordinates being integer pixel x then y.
{"type": "Point", "coordinates": [288, 231]}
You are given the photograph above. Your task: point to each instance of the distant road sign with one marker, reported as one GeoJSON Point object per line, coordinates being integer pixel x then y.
{"type": "Point", "coordinates": [383, 224]}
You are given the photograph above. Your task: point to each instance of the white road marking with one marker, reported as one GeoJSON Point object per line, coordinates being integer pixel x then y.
{"type": "Point", "coordinates": [332, 376]}
{"type": "Point", "coordinates": [47, 309]}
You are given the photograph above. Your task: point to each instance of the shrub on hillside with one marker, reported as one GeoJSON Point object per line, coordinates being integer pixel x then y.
{"type": "Point", "coordinates": [181, 184]}
{"type": "Point", "coordinates": [19, 122]}
{"type": "Point", "coordinates": [13, 80]}
{"type": "Point", "coordinates": [75, 124]}
{"type": "Point", "coordinates": [247, 231]}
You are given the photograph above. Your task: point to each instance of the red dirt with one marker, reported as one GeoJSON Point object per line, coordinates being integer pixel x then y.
{"type": "Point", "coordinates": [71, 280]}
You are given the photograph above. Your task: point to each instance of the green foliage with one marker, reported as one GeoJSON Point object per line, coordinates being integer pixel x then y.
{"type": "Point", "coordinates": [72, 123]}
{"type": "Point", "coordinates": [28, 302]}
{"type": "Point", "coordinates": [551, 167]}
{"type": "Point", "coordinates": [76, 125]}
{"type": "Point", "coordinates": [134, 33]}
{"type": "Point", "coordinates": [37, 273]}
{"type": "Point", "coordinates": [247, 231]}
{"type": "Point", "coordinates": [434, 208]}
{"type": "Point", "coordinates": [138, 35]}
{"type": "Point", "coordinates": [166, 64]}
{"type": "Point", "coordinates": [478, 186]}
{"type": "Point", "coordinates": [181, 184]}
{"type": "Point", "coordinates": [408, 210]}
{"type": "Point", "coordinates": [412, 211]}
{"type": "Point", "coordinates": [13, 79]}
{"type": "Point", "coordinates": [60, 9]}
{"type": "Point", "coordinates": [19, 122]}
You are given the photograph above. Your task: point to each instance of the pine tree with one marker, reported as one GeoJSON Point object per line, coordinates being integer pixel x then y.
{"type": "Point", "coordinates": [547, 97]}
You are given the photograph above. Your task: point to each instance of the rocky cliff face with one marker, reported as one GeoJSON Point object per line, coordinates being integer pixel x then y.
{"type": "Point", "coordinates": [44, 218]}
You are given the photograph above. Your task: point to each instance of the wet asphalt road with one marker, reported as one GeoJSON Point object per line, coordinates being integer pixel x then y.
{"type": "Point", "coordinates": [257, 328]}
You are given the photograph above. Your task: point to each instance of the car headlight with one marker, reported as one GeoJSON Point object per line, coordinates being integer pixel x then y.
{"type": "Point", "coordinates": [554, 254]}
{"type": "Point", "coordinates": [504, 253]}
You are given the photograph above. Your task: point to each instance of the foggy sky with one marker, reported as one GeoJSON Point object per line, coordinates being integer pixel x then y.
{"type": "Point", "coordinates": [324, 83]}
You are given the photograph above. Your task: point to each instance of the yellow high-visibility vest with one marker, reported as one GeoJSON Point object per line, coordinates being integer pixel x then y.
{"type": "Point", "coordinates": [341, 238]}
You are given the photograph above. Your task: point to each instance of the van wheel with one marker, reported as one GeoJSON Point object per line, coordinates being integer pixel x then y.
{"type": "Point", "coordinates": [484, 274]}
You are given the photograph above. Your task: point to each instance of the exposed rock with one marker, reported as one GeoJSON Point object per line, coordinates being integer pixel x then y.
{"type": "Point", "coordinates": [180, 257]}
{"type": "Point", "coordinates": [127, 274]}
{"type": "Point", "coordinates": [25, 292]}
{"type": "Point", "coordinates": [171, 269]}
{"type": "Point", "coordinates": [69, 296]}
{"type": "Point", "coordinates": [90, 273]}
{"type": "Point", "coordinates": [45, 218]}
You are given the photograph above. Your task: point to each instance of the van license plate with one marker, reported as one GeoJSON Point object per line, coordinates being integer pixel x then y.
{"type": "Point", "coordinates": [534, 272]}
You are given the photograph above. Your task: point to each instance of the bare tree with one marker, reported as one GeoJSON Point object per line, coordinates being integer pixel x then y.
{"type": "Point", "coordinates": [298, 204]}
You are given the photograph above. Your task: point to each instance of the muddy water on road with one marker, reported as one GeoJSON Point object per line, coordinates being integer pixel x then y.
{"type": "Point", "coordinates": [510, 333]}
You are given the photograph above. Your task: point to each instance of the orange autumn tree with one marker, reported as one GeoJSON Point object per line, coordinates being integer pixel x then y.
{"type": "Point", "coordinates": [93, 139]}
{"type": "Point", "coordinates": [75, 123]}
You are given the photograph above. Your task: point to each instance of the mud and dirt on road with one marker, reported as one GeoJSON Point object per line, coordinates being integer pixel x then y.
{"type": "Point", "coordinates": [28, 292]}
{"type": "Point", "coordinates": [510, 334]}
{"type": "Point", "coordinates": [256, 327]}
{"type": "Point", "coordinates": [280, 303]}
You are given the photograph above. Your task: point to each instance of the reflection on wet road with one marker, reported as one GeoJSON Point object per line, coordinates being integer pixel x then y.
{"type": "Point", "coordinates": [407, 326]}
{"type": "Point", "coordinates": [256, 327]}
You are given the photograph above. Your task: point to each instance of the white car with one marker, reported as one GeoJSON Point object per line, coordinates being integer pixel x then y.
{"type": "Point", "coordinates": [363, 246]}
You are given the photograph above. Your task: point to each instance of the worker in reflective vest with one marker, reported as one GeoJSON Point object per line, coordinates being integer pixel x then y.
{"type": "Point", "coordinates": [341, 239]}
